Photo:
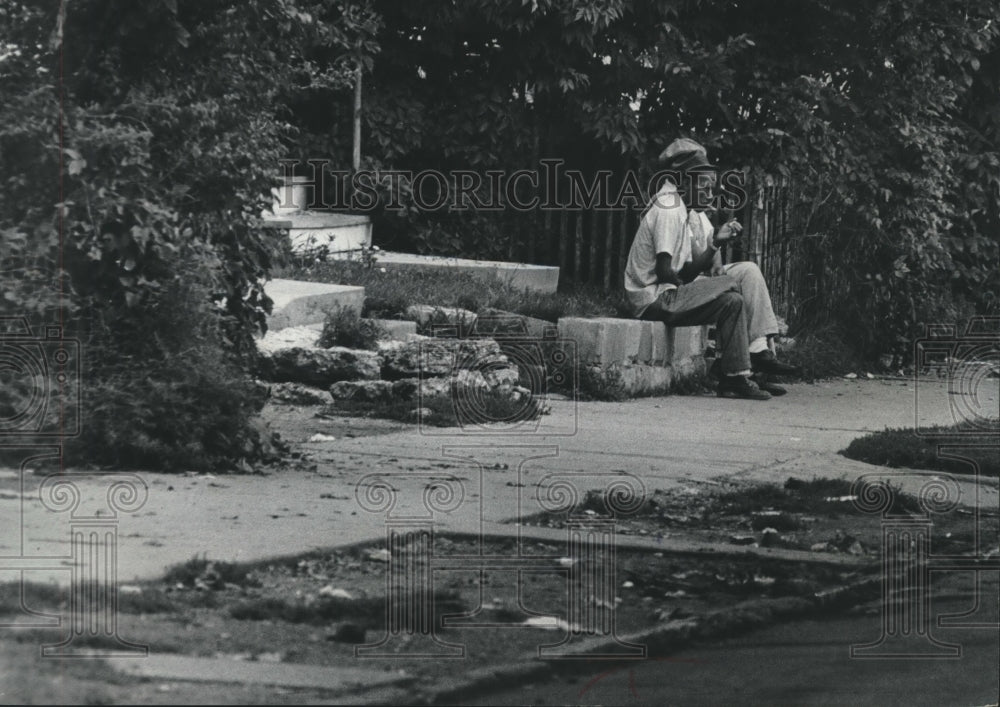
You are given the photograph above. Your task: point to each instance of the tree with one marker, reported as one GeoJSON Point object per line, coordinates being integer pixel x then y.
{"type": "Point", "coordinates": [139, 143]}
{"type": "Point", "coordinates": [882, 112]}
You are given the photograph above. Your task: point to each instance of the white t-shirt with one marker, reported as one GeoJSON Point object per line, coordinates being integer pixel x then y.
{"type": "Point", "coordinates": [666, 227]}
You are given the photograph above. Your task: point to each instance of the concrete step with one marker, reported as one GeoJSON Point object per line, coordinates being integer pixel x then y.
{"type": "Point", "coordinates": [297, 303]}
{"type": "Point", "coordinates": [538, 278]}
{"type": "Point", "coordinates": [603, 341]}
{"type": "Point", "coordinates": [646, 357]}
{"type": "Point", "coordinates": [341, 234]}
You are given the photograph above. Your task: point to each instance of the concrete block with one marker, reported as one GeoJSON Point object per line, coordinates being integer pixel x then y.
{"type": "Point", "coordinates": [686, 342]}
{"type": "Point", "coordinates": [638, 380]}
{"type": "Point", "coordinates": [498, 324]}
{"type": "Point", "coordinates": [538, 278]}
{"type": "Point", "coordinates": [398, 329]}
{"type": "Point", "coordinates": [160, 666]}
{"type": "Point", "coordinates": [605, 341]}
{"type": "Point", "coordinates": [298, 337]}
{"type": "Point", "coordinates": [647, 380]}
{"type": "Point", "coordinates": [432, 320]}
{"type": "Point", "coordinates": [341, 234]}
{"type": "Point", "coordinates": [654, 347]}
{"type": "Point", "coordinates": [298, 303]}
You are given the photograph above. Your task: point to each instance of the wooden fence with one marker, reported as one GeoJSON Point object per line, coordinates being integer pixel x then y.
{"type": "Point", "coordinates": [591, 246]}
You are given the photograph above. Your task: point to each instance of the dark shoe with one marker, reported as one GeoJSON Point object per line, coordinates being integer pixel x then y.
{"type": "Point", "coordinates": [767, 362]}
{"type": "Point", "coordinates": [741, 387]}
{"type": "Point", "coordinates": [716, 369]}
{"type": "Point", "coordinates": [764, 384]}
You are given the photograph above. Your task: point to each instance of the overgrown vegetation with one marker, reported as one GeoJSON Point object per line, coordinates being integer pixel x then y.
{"type": "Point", "coordinates": [134, 168]}
{"type": "Point", "coordinates": [388, 294]}
{"type": "Point", "coordinates": [882, 115]}
{"type": "Point", "coordinates": [344, 327]}
{"type": "Point", "coordinates": [445, 411]}
{"type": "Point", "coordinates": [935, 448]}
{"type": "Point", "coordinates": [822, 352]}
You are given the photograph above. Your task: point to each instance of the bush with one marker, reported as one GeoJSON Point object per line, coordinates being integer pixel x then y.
{"type": "Point", "coordinates": [822, 352]}
{"type": "Point", "coordinates": [162, 393]}
{"type": "Point", "coordinates": [343, 327]}
{"type": "Point", "coordinates": [131, 186]}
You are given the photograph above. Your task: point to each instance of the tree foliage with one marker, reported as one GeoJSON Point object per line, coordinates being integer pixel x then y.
{"type": "Point", "coordinates": [883, 113]}
{"type": "Point", "coordinates": [139, 143]}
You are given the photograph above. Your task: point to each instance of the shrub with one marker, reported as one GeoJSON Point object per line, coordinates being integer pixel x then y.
{"type": "Point", "coordinates": [343, 327]}
{"type": "Point", "coordinates": [162, 392]}
{"type": "Point", "coordinates": [822, 352]}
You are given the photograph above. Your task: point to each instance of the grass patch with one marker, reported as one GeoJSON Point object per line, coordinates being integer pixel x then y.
{"type": "Point", "coordinates": [902, 447]}
{"type": "Point", "coordinates": [201, 573]}
{"type": "Point", "coordinates": [388, 294]}
{"type": "Point", "coordinates": [150, 601]}
{"type": "Point", "coordinates": [37, 596]}
{"type": "Point", "coordinates": [441, 411]}
{"type": "Point", "coordinates": [366, 612]}
{"type": "Point", "coordinates": [799, 496]}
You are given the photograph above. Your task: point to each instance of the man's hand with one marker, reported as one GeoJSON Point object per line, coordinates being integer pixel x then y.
{"type": "Point", "coordinates": [727, 232]}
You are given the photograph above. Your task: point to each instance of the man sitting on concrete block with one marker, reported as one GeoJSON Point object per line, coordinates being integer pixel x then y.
{"type": "Point", "coordinates": [674, 246]}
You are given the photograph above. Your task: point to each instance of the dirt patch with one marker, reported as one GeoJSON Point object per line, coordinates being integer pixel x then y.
{"type": "Point", "coordinates": [298, 423]}
{"type": "Point", "coordinates": [316, 608]}
{"type": "Point", "coordinates": [818, 516]}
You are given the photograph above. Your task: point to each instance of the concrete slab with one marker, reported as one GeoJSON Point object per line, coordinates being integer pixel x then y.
{"type": "Point", "coordinates": [666, 442]}
{"type": "Point", "coordinates": [308, 334]}
{"type": "Point", "coordinates": [228, 670]}
{"type": "Point", "coordinates": [297, 303]}
{"type": "Point", "coordinates": [606, 341]}
{"type": "Point", "coordinates": [640, 379]}
{"type": "Point", "coordinates": [341, 234]}
{"type": "Point", "coordinates": [538, 278]}
{"type": "Point", "coordinates": [498, 324]}
{"type": "Point", "coordinates": [398, 329]}
{"type": "Point", "coordinates": [429, 317]}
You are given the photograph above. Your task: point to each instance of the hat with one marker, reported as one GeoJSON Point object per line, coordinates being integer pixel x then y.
{"type": "Point", "coordinates": [684, 154]}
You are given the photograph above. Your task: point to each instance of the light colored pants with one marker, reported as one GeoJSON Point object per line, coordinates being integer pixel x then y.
{"type": "Point", "coordinates": [756, 298]}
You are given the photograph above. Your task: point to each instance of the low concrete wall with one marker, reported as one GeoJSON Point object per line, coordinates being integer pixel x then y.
{"type": "Point", "coordinates": [645, 356]}
{"type": "Point", "coordinates": [538, 278]}
{"type": "Point", "coordinates": [297, 303]}
{"type": "Point", "coordinates": [344, 235]}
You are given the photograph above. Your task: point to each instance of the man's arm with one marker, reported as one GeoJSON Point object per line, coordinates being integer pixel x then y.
{"type": "Point", "coordinates": [698, 265]}
{"type": "Point", "coordinates": [711, 258]}
{"type": "Point", "coordinates": [665, 271]}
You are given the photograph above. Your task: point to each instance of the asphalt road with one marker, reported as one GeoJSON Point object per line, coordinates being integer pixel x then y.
{"type": "Point", "coordinates": [799, 663]}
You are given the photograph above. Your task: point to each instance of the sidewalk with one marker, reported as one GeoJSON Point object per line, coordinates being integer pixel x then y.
{"type": "Point", "coordinates": [665, 442]}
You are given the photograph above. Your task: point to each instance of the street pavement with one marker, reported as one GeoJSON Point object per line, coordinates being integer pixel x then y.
{"type": "Point", "coordinates": [803, 662]}
{"type": "Point", "coordinates": [663, 442]}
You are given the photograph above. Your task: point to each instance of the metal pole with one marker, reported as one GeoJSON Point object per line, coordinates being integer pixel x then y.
{"type": "Point", "coordinates": [357, 119]}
